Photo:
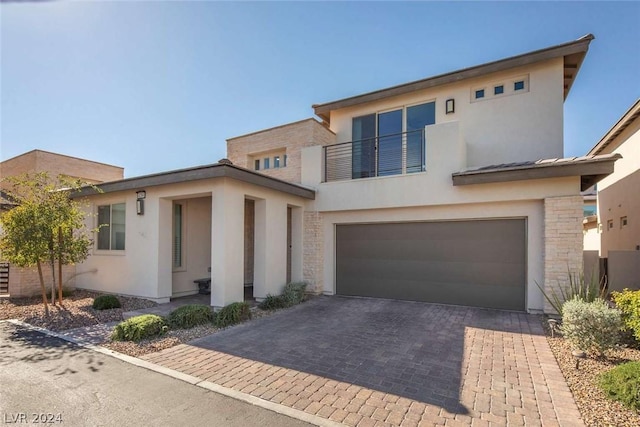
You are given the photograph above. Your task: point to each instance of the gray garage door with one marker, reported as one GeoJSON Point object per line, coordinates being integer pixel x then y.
{"type": "Point", "coordinates": [475, 263]}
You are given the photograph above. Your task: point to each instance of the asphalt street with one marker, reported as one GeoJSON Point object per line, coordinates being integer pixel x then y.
{"type": "Point", "coordinates": [46, 380]}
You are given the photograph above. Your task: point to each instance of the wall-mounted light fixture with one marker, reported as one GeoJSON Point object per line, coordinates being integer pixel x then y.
{"type": "Point", "coordinates": [450, 106]}
{"type": "Point", "coordinates": [140, 196]}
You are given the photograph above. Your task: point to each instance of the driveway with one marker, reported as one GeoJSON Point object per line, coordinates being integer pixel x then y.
{"type": "Point", "coordinates": [360, 360]}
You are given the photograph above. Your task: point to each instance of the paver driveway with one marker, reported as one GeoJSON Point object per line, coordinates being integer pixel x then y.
{"type": "Point", "coordinates": [366, 361]}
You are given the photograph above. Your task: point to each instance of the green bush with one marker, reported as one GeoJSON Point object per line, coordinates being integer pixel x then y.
{"type": "Point", "coordinates": [233, 313]}
{"type": "Point", "coordinates": [622, 383]}
{"type": "Point", "coordinates": [67, 292]}
{"type": "Point", "coordinates": [628, 302]}
{"type": "Point", "coordinates": [293, 293]}
{"type": "Point", "coordinates": [189, 316]}
{"type": "Point", "coordinates": [106, 302]}
{"type": "Point", "coordinates": [576, 288]}
{"type": "Point", "coordinates": [139, 327]}
{"type": "Point", "coordinates": [591, 326]}
{"type": "Point", "coordinates": [273, 302]}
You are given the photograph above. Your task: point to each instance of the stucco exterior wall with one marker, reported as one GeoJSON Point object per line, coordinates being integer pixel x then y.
{"type": "Point", "coordinates": [507, 128]}
{"type": "Point", "coordinates": [618, 195]}
{"type": "Point", "coordinates": [144, 268]}
{"type": "Point", "coordinates": [288, 139]}
{"type": "Point", "coordinates": [563, 251]}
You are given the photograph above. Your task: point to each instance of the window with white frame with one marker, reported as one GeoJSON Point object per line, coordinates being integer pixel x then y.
{"type": "Point", "coordinates": [111, 223]}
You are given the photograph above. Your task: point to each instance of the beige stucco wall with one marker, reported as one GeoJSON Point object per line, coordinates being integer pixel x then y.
{"type": "Point", "coordinates": [501, 129]}
{"type": "Point", "coordinates": [144, 268]}
{"type": "Point", "coordinates": [591, 238]}
{"type": "Point", "coordinates": [288, 139]}
{"type": "Point", "coordinates": [618, 194]}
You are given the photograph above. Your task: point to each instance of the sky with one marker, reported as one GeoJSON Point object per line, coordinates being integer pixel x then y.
{"type": "Point", "coordinates": [155, 86]}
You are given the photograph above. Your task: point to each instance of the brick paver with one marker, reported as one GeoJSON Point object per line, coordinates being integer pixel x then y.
{"type": "Point", "coordinates": [380, 362]}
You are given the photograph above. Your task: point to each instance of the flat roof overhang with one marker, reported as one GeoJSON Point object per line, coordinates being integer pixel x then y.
{"type": "Point", "coordinates": [216, 170]}
{"type": "Point", "coordinates": [573, 54]}
{"type": "Point", "coordinates": [590, 169]}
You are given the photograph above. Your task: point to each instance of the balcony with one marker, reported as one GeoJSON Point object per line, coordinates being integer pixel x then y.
{"type": "Point", "coordinates": [386, 155]}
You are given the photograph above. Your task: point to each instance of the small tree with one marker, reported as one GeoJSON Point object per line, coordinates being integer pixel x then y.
{"type": "Point", "coordinates": [46, 224]}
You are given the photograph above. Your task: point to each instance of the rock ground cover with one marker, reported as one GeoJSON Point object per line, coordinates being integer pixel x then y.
{"type": "Point", "coordinates": [596, 409]}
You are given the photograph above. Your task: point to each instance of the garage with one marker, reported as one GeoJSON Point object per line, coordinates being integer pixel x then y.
{"type": "Point", "coordinates": [479, 263]}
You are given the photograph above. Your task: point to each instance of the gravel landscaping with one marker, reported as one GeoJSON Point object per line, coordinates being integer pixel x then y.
{"type": "Point", "coordinates": [77, 311]}
{"type": "Point", "coordinates": [595, 407]}
{"type": "Point", "coordinates": [172, 338]}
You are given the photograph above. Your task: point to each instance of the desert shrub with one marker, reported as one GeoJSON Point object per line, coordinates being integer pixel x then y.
{"type": "Point", "coordinates": [189, 316]}
{"type": "Point", "coordinates": [578, 288]}
{"type": "Point", "coordinates": [591, 326]}
{"type": "Point", "coordinates": [628, 302]}
{"type": "Point", "coordinates": [273, 302]}
{"type": "Point", "coordinates": [139, 327]}
{"type": "Point", "coordinates": [106, 302]}
{"type": "Point", "coordinates": [622, 383]}
{"type": "Point", "coordinates": [67, 292]}
{"type": "Point", "coordinates": [233, 313]}
{"type": "Point", "coordinates": [293, 293]}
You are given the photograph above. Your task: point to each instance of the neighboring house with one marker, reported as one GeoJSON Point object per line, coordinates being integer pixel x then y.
{"type": "Point", "coordinates": [619, 202]}
{"type": "Point", "coordinates": [21, 282]}
{"type": "Point", "coordinates": [452, 189]}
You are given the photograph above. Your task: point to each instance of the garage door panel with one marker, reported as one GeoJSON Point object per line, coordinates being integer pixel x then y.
{"type": "Point", "coordinates": [478, 263]}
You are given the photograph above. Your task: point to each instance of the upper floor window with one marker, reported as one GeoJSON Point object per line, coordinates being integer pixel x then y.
{"type": "Point", "coordinates": [265, 163]}
{"type": "Point", "coordinates": [497, 90]}
{"type": "Point", "coordinates": [111, 223]}
{"type": "Point", "coordinates": [623, 222]}
{"type": "Point", "coordinates": [284, 161]}
{"type": "Point", "coordinates": [519, 85]}
{"type": "Point", "coordinates": [609, 224]}
{"type": "Point", "coordinates": [256, 164]}
{"type": "Point", "coordinates": [276, 161]}
{"type": "Point", "coordinates": [479, 93]}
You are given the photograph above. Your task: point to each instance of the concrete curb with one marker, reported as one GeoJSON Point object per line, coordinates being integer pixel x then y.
{"type": "Point", "coordinates": [216, 388]}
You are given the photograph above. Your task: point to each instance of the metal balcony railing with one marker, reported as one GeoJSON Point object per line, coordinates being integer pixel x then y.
{"type": "Point", "coordinates": [385, 155]}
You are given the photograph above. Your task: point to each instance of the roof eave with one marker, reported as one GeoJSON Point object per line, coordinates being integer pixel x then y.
{"type": "Point", "coordinates": [626, 120]}
{"type": "Point", "coordinates": [216, 170]}
{"type": "Point", "coordinates": [577, 47]}
{"type": "Point", "coordinates": [590, 173]}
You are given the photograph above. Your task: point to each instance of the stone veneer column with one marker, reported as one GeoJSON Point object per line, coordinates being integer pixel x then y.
{"type": "Point", "coordinates": [313, 260]}
{"type": "Point", "coordinates": [563, 242]}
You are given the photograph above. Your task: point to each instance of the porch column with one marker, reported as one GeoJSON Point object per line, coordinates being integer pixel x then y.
{"type": "Point", "coordinates": [165, 219]}
{"type": "Point", "coordinates": [270, 264]}
{"type": "Point", "coordinates": [227, 245]}
{"type": "Point", "coordinates": [296, 245]}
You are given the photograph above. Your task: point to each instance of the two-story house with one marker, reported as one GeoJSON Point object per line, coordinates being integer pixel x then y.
{"type": "Point", "coordinates": [452, 189]}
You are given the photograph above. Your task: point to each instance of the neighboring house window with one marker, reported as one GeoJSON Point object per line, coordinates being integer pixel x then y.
{"type": "Point", "coordinates": [111, 220]}
{"type": "Point", "coordinates": [276, 161]}
{"type": "Point", "coordinates": [589, 210]}
{"type": "Point", "coordinates": [609, 224]}
{"type": "Point", "coordinates": [265, 163]}
{"type": "Point", "coordinates": [498, 90]}
{"type": "Point", "coordinates": [284, 161]}
{"type": "Point", "coordinates": [519, 85]}
{"type": "Point", "coordinates": [178, 220]}
{"type": "Point", "coordinates": [623, 222]}
{"type": "Point", "coordinates": [479, 93]}
{"type": "Point", "coordinates": [257, 165]}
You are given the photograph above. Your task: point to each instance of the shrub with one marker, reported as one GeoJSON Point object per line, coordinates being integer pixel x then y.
{"type": "Point", "coordinates": [622, 383]}
{"type": "Point", "coordinates": [189, 316]}
{"type": "Point", "coordinates": [628, 302]}
{"type": "Point", "coordinates": [273, 302]}
{"type": "Point", "coordinates": [139, 327]}
{"type": "Point", "coordinates": [233, 313]}
{"type": "Point", "coordinates": [293, 293]}
{"type": "Point", "coordinates": [576, 288]}
{"type": "Point", "coordinates": [67, 292]}
{"type": "Point", "coordinates": [591, 326]}
{"type": "Point", "coordinates": [106, 302]}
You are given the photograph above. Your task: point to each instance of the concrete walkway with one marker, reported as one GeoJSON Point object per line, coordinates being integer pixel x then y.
{"type": "Point", "coordinates": [164, 309]}
{"type": "Point", "coordinates": [369, 362]}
